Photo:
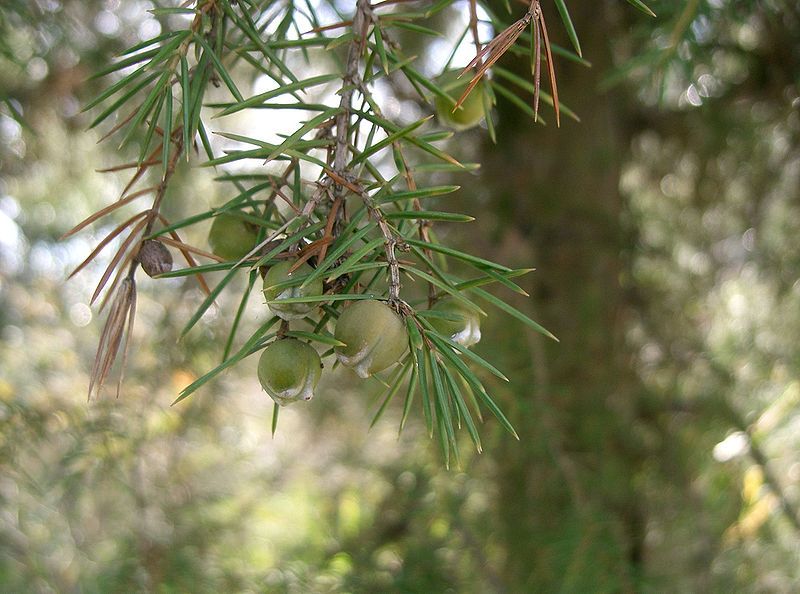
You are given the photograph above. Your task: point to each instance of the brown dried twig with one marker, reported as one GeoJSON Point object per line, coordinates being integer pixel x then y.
{"type": "Point", "coordinates": [105, 241]}
{"type": "Point", "coordinates": [107, 210]}
{"type": "Point", "coordinates": [487, 56]}
{"type": "Point", "coordinates": [423, 224]}
{"type": "Point", "coordinates": [117, 326]}
{"type": "Point", "coordinates": [123, 299]}
{"type": "Point", "coordinates": [121, 293]}
{"type": "Point", "coordinates": [473, 25]}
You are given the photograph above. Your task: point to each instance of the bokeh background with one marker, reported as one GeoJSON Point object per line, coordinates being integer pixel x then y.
{"type": "Point", "coordinates": [659, 439]}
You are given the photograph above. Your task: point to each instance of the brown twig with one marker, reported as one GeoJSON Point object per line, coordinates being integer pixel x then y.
{"type": "Point", "coordinates": [411, 184]}
{"type": "Point", "coordinates": [473, 25]}
{"type": "Point", "coordinates": [349, 82]}
{"type": "Point", "coordinates": [550, 68]}
{"type": "Point", "coordinates": [120, 321]}
{"type": "Point", "coordinates": [105, 241]}
{"type": "Point", "coordinates": [487, 56]}
{"type": "Point", "coordinates": [339, 172]}
{"type": "Point", "coordinates": [131, 165]}
{"type": "Point", "coordinates": [136, 233]}
{"type": "Point", "coordinates": [536, 65]}
{"type": "Point", "coordinates": [328, 233]}
{"type": "Point", "coordinates": [121, 315]}
{"type": "Point", "coordinates": [108, 209]}
{"type": "Point", "coordinates": [390, 241]}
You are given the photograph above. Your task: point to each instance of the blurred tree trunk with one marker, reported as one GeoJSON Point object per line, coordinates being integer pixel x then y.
{"type": "Point", "coordinates": [569, 511]}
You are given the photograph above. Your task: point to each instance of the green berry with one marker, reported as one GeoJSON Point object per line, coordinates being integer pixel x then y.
{"type": "Point", "coordinates": [230, 237]}
{"type": "Point", "coordinates": [463, 324]}
{"type": "Point", "coordinates": [280, 274]}
{"type": "Point", "coordinates": [375, 337]}
{"type": "Point", "coordinates": [470, 112]}
{"type": "Point", "coordinates": [289, 370]}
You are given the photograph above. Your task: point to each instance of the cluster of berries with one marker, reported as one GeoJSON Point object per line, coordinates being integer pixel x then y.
{"type": "Point", "coordinates": [371, 336]}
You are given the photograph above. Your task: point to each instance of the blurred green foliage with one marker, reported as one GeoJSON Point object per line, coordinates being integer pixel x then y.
{"type": "Point", "coordinates": [659, 439]}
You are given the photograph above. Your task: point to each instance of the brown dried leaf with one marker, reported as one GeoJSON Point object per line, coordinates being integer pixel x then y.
{"type": "Point", "coordinates": [107, 210]}
{"type": "Point", "coordinates": [187, 256]}
{"type": "Point", "coordinates": [537, 68]}
{"type": "Point", "coordinates": [126, 347]}
{"type": "Point", "coordinates": [105, 241]}
{"type": "Point", "coordinates": [119, 319]}
{"type": "Point", "coordinates": [551, 70]}
{"type": "Point", "coordinates": [130, 165]}
{"type": "Point", "coordinates": [119, 125]}
{"type": "Point", "coordinates": [122, 271]}
{"type": "Point", "coordinates": [142, 168]}
{"type": "Point", "coordinates": [191, 249]}
{"type": "Point", "coordinates": [137, 229]}
{"type": "Point", "coordinates": [492, 51]}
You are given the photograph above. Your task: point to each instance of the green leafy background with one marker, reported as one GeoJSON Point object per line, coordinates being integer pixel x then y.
{"type": "Point", "coordinates": [658, 440]}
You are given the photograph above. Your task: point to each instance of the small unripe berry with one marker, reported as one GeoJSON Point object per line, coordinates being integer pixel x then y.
{"type": "Point", "coordinates": [374, 335]}
{"type": "Point", "coordinates": [154, 257]}
{"type": "Point", "coordinates": [470, 112]}
{"type": "Point", "coordinates": [280, 273]}
{"type": "Point", "coordinates": [465, 329]}
{"type": "Point", "coordinates": [289, 370]}
{"type": "Point", "coordinates": [230, 237]}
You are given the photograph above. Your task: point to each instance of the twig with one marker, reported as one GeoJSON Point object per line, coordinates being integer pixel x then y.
{"type": "Point", "coordinates": [122, 291]}
{"type": "Point", "coordinates": [390, 240]}
{"type": "Point", "coordinates": [473, 26]}
{"type": "Point", "coordinates": [106, 210]}
{"type": "Point", "coordinates": [424, 225]}
{"type": "Point", "coordinates": [105, 241]}
{"type": "Point", "coordinates": [349, 82]}
{"type": "Point", "coordinates": [113, 331]}
{"type": "Point", "coordinates": [340, 174]}
{"type": "Point", "coordinates": [486, 57]}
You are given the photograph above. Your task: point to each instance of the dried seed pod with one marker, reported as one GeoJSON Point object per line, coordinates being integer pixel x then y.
{"type": "Point", "coordinates": [470, 112]}
{"type": "Point", "coordinates": [154, 257]}
{"type": "Point", "coordinates": [279, 274]}
{"type": "Point", "coordinates": [289, 370]}
{"type": "Point", "coordinates": [463, 324]}
{"type": "Point", "coordinates": [375, 337]}
{"type": "Point", "coordinates": [230, 237]}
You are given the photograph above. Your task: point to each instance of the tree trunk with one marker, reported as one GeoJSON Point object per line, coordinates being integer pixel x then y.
{"type": "Point", "coordinates": [568, 505]}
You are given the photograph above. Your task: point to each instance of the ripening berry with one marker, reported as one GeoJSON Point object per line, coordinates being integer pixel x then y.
{"type": "Point", "coordinates": [230, 237]}
{"type": "Point", "coordinates": [465, 328]}
{"type": "Point", "coordinates": [279, 274]}
{"type": "Point", "coordinates": [470, 112]}
{"type": "Point", "coordinates": [289, 370]}
{"type": "Point", "coordinates": [374, 335]}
